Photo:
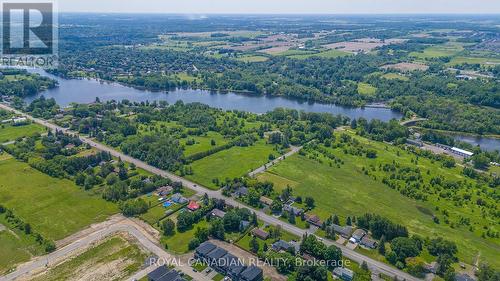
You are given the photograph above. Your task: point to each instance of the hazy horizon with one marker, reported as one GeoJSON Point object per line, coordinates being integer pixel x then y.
{"type": "Point", "coordinates": [319, 7]}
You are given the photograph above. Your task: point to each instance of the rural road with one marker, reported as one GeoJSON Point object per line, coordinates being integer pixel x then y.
{"type": "Point", "coordinates": [374, 265]}
{"type": "Point", "coordinates": [123, 226]}
{"type": "Point", "coordinates": [261, 169]}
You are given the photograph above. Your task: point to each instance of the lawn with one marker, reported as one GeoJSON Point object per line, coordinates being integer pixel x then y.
{"type": "Point", "coordinates": [178, 243]}
{"type": "Point", "coordinates": [230, 163]}
{"type": "Point", "coordinates": [347, 191]}
{"type": "Point", "coordinates": [116, 257]}
{"type": "Point", "coordinates": [366, 89]}
{"type": "Point", "coordinates": [55, 208]}
{"type": "Point", "coordinates": [10, 133]}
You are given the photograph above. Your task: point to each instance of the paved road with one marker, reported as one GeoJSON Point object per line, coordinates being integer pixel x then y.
{"type": "Point", "coordinates": [374, 265]}
{"type": "Point", "coordinates": [125, 225]}
{"type": "Point", "coordinates": [261, 169]}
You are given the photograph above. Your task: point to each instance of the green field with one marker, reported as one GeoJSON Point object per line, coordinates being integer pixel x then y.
{"type": "Point", "coordinates": [347, 191]}
{"type": "Point", "coordinates": [230, 163]}
{"type": "Point", "coordinates": [436, 51]}
{"type": "Point", "coordinates": [10, 133]}
{"type": "Point", "coordinates": [366, 89]}
{"type": "Point", "coordinates": [203, 143]}
{"type": "Point", "coordinates": [178, 243]}
{"type": "Point", "coordinates": [55, 208]}
{"type": "Point", "coordinates": [113, 259]}
{"type": "Point", "coordinates": [15, 247]}
{"type": "Point", "coordinates": [472, 60]}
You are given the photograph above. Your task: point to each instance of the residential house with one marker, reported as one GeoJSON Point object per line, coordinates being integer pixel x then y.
{"type": "Point", "coordinates": [69, 146]}
{"type": "Point", "coordinates": [343, 273]}
{"type": "Point", "coordinates": [218, 213]}
{"type": "Point", "coordinates": [193, 206]}
{"type": "Point", "coordinates": [241, 192]}
{"type": "Point", "coordinates": [281, 245]}
{"type": "Point", "coordinates": [226, 263]}
{"type": "Point", "coordinates": [358, 235]}
{"type": "Point", "coordinates": [463, 277]}
{"type": "Point", "coordinates": [368, 242]}
{"type": "Point", "coordinates": [291, 209]}
{"type": "Point", "coordinates": [266, 201]}
{"type": "Point", "coordinates": [344, 231]}
{"type": "Point", "coordinates": [178, 198]}
{"type": "Point", "coordinates": [431, 267]}
{"type": "Point", "coordinates": [164, 190]}
{"type": "Point", "coordinates": [163, 273]}
{"type": "Point", "coordinates": [314, 220]}
{"type": "Point", "coordinates": [260, 233]}
{"type": "Point", "coordinates": [252, 273]}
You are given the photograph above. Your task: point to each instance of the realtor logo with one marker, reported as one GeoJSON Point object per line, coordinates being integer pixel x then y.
{"type": "Point", "coordinates": [29, 34]}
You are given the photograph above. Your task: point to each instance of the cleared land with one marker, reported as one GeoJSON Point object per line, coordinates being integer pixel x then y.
{"type": "Point", "coordinates": [436, 51]}
{"type": "Point", "coordinates": [230, 163]}
{"type": "Point", "coordinates": [395, 76]}
{"type": "Point", "coordinates": [55, 208]}
{"type": "Point", "coordinates": [10, 133]}
{"type": "Point", "coordinates": [203, 143]}
{"type": "Point", "coordinates": [366, 89]}
{"type": "Point", "coordinates": [347, 191]}
{"type": "Point", "coordinates": [114, 259]}
{"type": "Point", "coordinates": [406, 66]}
{"type": "Point", "coordinates": [178, 243]}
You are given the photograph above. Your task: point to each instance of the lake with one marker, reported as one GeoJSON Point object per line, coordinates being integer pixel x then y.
{"type": "Point", "coordinates": [86, 91]}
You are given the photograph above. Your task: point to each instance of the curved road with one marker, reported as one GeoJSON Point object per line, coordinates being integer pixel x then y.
{"type": "Point", "coordinates": [125, 225]}
{"type": "Point", "coordinates": [374, 265]}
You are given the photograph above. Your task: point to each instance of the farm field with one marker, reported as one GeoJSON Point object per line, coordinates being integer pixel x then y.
{"type": "Point", "coordinates": [10, 133]}
{"type": "Point", "coordinates": [304, 54]}
{"type": "Point", "coordinates": [230, 163]}
{"type": "Point", "coordinates": [347, 191]}
{"type": "Point", "coordinates": [443, 50]}
{"type": "Point", "coordinates": [116, 258]}
{"type": "Point", "coordinates": [55, 208]}
{"type": "Point", "coordinates": [472, 60]}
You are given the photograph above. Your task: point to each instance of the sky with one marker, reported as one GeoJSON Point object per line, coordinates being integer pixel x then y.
{"type": "Point", "coordinates": [284, 6]}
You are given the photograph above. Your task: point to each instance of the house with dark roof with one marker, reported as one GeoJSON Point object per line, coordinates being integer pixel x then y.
{"type": "Point", "coordinates": [241, 192]}
{"type": "Point", "coordinates": [260, 233]}
{"type": "Point", "coordinates": [164, 273]}
{"type": "Point", "coordinates": [344, 231]}
{"type": "Point", "coordinates": [218, 213]}
{"type": "Point", "coordinates": [281, 245]}
{"type": "Point", "coordinates": [314, 220]}
{"type": "Point", "coordinates": [204, 249]}
{"type": "Point", "coordinates": [358, 234]}
{"type": "Point", "coordinates": [294, 210]}
{"type": "Point", "coordinates": [164, 190]}
{"type": "Point", "coordinates": [368, 242]}
{"type": "Point", "coordinates": [463, 277]}
{"type": "Point", "coordinates": [178, 198]}
{"type": "Point", "coordinates": [252, 273]}
{"type": "Point", "coordinates": [226, 263]}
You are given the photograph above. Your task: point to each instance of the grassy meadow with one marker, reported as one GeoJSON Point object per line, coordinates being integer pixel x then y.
{"type": "Point", "coordinates": [347, 191]}
{"type": "Point", "coordinates": [230, 163]}
{"type": "Point", "coordinates": [55, 208]}
{"type": "Point", "coordinates": [11, 133]}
